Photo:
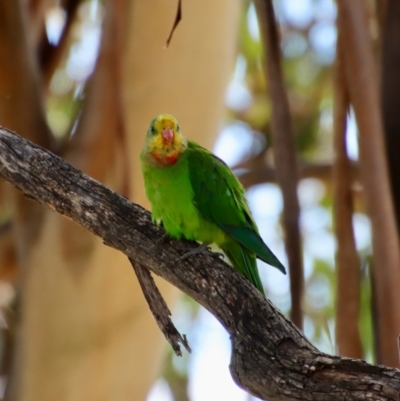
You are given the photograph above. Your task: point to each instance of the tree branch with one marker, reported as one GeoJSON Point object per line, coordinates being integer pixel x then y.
{"type": "Point", "coordinates": [362, 84]}
{"type": "Point", "coordinates": [348, 292]}
{"type": "Point", "coordinates": [284, 154]}
{"type": "Point", "coordinates": [270, 357]}
{"type": "Point", "coordinates": [260, 172]}
{"type": "Point", "coordinates": [159, 308]}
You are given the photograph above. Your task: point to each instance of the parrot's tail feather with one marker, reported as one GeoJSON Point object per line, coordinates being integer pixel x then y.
{"type": "Point", "coordinates": [245, 263]}
{"type": "Point", "coordinates": [252, 241]}
{"type": "Point", "coordinates": [251, 267]}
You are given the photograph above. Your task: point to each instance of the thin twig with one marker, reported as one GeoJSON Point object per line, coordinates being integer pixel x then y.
{"type": "Point", "coordinates": [178, 17]}
{"type": "Point", "coordinates": [159, 308]}
{"type": "Point", "coordinates": [260, 172]}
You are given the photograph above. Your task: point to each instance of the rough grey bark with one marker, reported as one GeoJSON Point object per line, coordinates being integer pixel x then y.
{"type": "Point", "coordinates": [270, 357]}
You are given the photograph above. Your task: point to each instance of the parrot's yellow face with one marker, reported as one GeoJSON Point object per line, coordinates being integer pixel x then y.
{"type": "Point", "coordinates": [164, 141]}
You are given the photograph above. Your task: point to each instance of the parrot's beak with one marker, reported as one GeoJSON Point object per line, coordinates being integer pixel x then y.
{"type": "Point", "coordinates": [167, 135]}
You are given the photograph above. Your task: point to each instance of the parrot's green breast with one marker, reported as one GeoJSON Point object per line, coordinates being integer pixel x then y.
{"type": "Point", "coordinates": [171, 195]}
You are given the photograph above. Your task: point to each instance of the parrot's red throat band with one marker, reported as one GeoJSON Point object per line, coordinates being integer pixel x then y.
{"type": "Point", "coordinates": [164, 158]}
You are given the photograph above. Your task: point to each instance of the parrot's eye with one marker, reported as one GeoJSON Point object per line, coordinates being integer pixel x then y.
{"type": "Point", "coordinates": [178, 128]}
{"type": "Point", "coordinates": [153, 130]}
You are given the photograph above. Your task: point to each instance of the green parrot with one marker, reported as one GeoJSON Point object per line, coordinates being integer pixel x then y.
{"type": "Point", "coordinates": [196, 196]}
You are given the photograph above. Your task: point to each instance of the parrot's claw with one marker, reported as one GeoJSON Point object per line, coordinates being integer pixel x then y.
{"type": "Point", "coordinates": [201, 249]}
{"type": "Point", "coordinates": [216, 254]}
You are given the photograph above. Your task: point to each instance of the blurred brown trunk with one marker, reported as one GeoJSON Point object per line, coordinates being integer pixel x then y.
{"type": "Point", "coordinates": [50, 55]}
{"type": "Point", "coordinates": [390, 95]}
{"type": "Point", "coordinates": [361, 80]}
{"type": "Point", "coordinates": [37, 16]}
{"type": "Point", "coordinates": [21, 109]}
{"type": "Point", "coordinates": [284, 155]}
{"type": "Point", "coordinates": [348, 340]}
{"type": "Point", "coordinates": [86, 332]}
{"type": "Point", "coordinates": [21, 100]}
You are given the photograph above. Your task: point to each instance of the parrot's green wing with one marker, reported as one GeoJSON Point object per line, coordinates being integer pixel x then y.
{"type": "Point", "coordinates": [220, 198]}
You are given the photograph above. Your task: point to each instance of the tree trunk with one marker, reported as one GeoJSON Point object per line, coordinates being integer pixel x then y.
{"type": "Point", "coordinates": [85, 330]}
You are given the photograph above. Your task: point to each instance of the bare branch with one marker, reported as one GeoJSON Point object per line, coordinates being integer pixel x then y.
{"type": "Point", "coordinates": [260, 172]}
{"type": "Point", "coordinates": [348, 292]}
{"type": "Point", "coordinates": [270, 357]}
{"type": "Point", "coordinates": [284, 155]}
{"type": "Point", "coordinates": [390, 94]}
{"type": "Point", "coordinates": [159, 308]}
{"type": "Point", "coordinates": [362, 83]}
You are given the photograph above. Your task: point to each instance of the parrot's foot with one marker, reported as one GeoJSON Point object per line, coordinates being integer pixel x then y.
{"type": "Point", "coordinates": [202, 249]}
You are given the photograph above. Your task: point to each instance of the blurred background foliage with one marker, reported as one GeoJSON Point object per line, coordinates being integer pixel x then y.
{"type": "Point", "coordinates": [308, 43]}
